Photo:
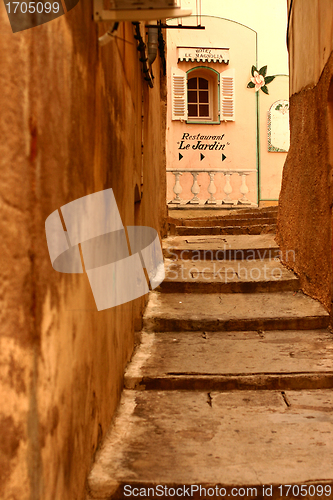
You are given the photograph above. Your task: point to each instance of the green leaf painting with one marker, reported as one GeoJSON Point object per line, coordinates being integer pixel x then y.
{"type": "Point", "coordinates": [259, 80]}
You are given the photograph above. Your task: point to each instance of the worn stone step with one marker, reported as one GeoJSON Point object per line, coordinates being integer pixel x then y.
{"type": "Point", "coordinates": [240, 439]}
{"type": "Point", "coordinates": [221, 248]}
{"type": "Point", "coordinates": [186, 217]}
{"type": "Point", "coordinates": [222, 221]}
{"type": "Point", "coordinates": [227, 229]}
{"type": "Point", "coordinates": [230, 312]}
{"type": "Point", "coordinates": [232, 361]}
{"type": "Point", "coordinates": [204, 276]}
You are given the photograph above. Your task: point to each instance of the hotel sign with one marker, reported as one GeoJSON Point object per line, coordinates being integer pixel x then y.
{"type": "Point", "coordinates": [203, 54]}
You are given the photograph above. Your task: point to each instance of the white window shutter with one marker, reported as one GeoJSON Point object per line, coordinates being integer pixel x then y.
{"type": "Point", "coordinates": [179, 94]}
{"type": "Point", "coordinates": [227, 84]}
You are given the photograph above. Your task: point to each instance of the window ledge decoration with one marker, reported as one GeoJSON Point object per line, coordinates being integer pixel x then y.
{"type": "Point", "coordinates": [259, 79]}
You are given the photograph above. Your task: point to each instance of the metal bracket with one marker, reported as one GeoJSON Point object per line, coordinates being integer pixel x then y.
{"type": "Point", "coordinates": [101, 14]}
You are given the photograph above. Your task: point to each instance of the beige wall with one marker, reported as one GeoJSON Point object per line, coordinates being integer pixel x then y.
{"type": "Point", "coordinates": [267, 17]}
{"type": "Point", "coordinates": [70, 125]}
{"type": "Point", "coordinates": [310, 41]}
{"type": "Point", "coordinates": [305, 205]}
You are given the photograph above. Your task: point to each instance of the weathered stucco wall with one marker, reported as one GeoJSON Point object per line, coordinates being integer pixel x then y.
{"type": "Point", "coordinates": [305, 206]}
{"type": "Point", "coordinates": [70, 125]}
{"type": "Point", "coordinates": [310, 41]}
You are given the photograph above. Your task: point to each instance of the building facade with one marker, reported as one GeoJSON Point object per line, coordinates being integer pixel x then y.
{"type": "Point", "coordinates": [227, 138]}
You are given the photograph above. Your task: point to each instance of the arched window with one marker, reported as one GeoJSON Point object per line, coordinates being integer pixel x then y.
{"type": "Point", "coordinates": [202, 95]}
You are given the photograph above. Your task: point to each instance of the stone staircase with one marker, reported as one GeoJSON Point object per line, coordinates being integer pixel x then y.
{"type": "Point", "coordinates": [241, 221]}
{"type": "Point", "coordinates": [230, 391]}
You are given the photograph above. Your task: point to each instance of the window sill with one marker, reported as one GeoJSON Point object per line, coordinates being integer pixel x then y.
{"type": "Point", "coordinates": [203, 122]}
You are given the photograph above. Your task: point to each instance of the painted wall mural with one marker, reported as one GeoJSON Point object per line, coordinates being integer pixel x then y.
{"type": "Point", "coordinates": [259, 80]}
{"type": "Point", "coordinates": [278, 127]}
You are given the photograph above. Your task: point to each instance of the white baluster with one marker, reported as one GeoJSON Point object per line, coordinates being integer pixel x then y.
{"type": "Point", "coordinates": [227, 190]}
{"type": "Point", "coordinates": [195, 189]}
{"type": "Point", "coordinates": [244, 190]}
{"type": "Point", "coordinates": [177, 189]}
{"type": "Point", "coordinates": [211, 189]}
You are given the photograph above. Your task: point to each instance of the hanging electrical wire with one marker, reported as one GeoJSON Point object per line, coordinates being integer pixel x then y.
{"type": "Point", "coordinates": [179, 20]}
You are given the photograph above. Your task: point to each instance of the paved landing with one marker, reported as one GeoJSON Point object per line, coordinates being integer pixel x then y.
{"type": "Point", "coordinates": [243, 438]}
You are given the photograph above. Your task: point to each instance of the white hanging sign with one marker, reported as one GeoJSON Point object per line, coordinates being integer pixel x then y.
{"type": "Point", "coordinates": [203, 54]}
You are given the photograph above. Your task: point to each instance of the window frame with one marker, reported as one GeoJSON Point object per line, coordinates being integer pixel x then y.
{"type": "Point", "coordinates": [213, 78]}
{"type": "Point", "coordinates": [197, 90]}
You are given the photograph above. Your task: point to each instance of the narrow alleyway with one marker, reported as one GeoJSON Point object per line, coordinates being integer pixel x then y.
{"type": "Point", "coordinates": [230, 385]}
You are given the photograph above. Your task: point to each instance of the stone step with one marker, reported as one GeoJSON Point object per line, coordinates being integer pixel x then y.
{"type": "Point", "coordinates": [237, 439]}
{"type": "Point", "coordinates": [238, 247]}
{"type": "Point", "coordinates": [222, 221]}
{"type": "Point", "coordinates": [227, 276]}
{"type": "Point", "coordinates": [231, 312]}
{"type": "Point", "coordinates": [210, 361]}
{"type": "Point", "coordinates": [217, 218]}
{"type": "Point", "coordinates": [216, 230]}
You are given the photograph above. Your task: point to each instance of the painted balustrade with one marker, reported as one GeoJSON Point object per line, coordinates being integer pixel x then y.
{"type": "Point", "coordinates": [212, 188]}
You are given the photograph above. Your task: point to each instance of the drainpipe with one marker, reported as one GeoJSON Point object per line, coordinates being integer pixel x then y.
{"type": "Point", "coordinates": [152, 44]}
{"type": "Point", "coordinates": [161, 46]}
{"type": "Point", "coordinates": [143, 56]}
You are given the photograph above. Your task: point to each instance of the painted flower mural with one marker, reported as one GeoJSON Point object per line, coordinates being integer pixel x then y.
{"type": "Point", "coordinates": [259, 80]}
{"type": "Point", "coordinates": [283, 108]}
